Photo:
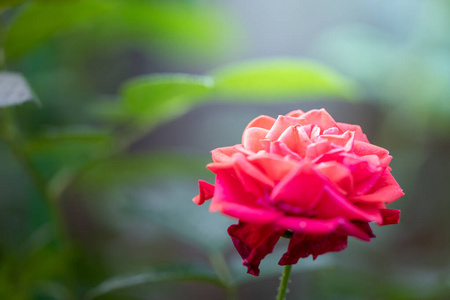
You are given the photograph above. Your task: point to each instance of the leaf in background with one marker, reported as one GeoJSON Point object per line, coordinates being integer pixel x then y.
{"type": "Point", "coordinates": [280, 78]}
{"type": "Point", "coordinates": [155, 99]}
{"type": "Point", "coordinates": [166, 25]}
{"type": "Point", "coordinates": [7, 3]}
{"type": "Point", "coordinates": [41, 20]}
{"type": "Point", "coordinates": [178, 272]}
{"type": "Point", "coordinates": [142, 167]}
{"type": "Point", "coordinates": [171, 24]}
{"type": "Point", "coordinates": [67, 148]}
{"type": "Point", "coordinates": [14, 89]}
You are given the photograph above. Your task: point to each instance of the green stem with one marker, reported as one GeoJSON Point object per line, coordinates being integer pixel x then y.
{"type": "Point", "coordinates": [220, 267]}
{"type": "Point", "coordinates": [282, 288]}
{"type": "Point", "coordinates": [11, 135]}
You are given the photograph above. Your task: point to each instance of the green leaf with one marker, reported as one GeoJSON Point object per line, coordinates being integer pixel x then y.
{"type": "Point", "coordinates": [159, 24]}
{"type": "Point", "coordinates": [14, 89]}
{"type": "Point", "coordinates": [133, 168]}
{"type": "Point", "coordinates": [8, 3]}
{"type": "Point", "coordinates": [155, 99]}
{"type": "Point", "coordinates": [41, 20]}
{"type": "Point", "coordinates": [280, 78]}
{"type": "Point", "coordinates": [177, 272]}
{"type": "Point", "coordinates": [67, 148]}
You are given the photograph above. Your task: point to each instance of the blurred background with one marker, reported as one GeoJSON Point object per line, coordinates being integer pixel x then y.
{"type": "Point", "coordinates": [98, 172]}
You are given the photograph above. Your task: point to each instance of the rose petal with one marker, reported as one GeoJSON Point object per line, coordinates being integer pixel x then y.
{"type": "Point", "coordinates": [338, 173]}
{"type": "Point", "coordinates": [295, 113]}
{"type": "Point", "coordinates": [251, 178]}
{"type": "Point", "coordinates": [253, 214]}
{"type": "Point", "coordinates": [280, 125]}
{"type": "Point", "coordinates": [365, 227]}
{"type": "Point", "coordinates": [319, 117]}
{"type": "Point", "coordinates": [280, 148]}
{"type": "Point", "coordinates": [385, 190]}
{"type": "Point", "coordinates": [302, 245]}
{"type": "Point", "coordinates": [262, 121]}
{"type": "Point", "coordinates": [223, 154]}
{"type": "Point", "coordinates": [253, 243]}
{"type": "Point", "coordinates": [390, 216]}
{"type": "Point", "coordinates": [333, 204]}
{"type": "Point", "coordinates": [344, 140]}
{"type": "Point", "coordinates": [251, 139]}
{"type": "Point", "coordinates": [274, 166]}
{"type": "Point", "coordinates": [362, 149]}
{"type": "Point", "coordinates": [228, 189]}
{"type": "Point", "coordinates": [317, 227]}
{"type": "Point", "coordinates": [290, 138]}
{"type": "Point", "coordinates": [315, 150]}
{"type": "Point", "coordinates": [359, 135]}
{"type": "Point", "coordinates": [302, 188]}
{"type": "Point", "coordinates": [206, 192]}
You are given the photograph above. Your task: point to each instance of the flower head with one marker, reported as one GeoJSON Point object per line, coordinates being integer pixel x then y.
{"type": "Point", "coordinates": [305, 174]}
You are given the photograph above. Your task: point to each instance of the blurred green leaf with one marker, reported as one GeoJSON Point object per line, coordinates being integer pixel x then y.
{"type": "Point", "coordinates": [164, 24]}
{"type": "Point", "coordinates": [280, 78]}
{"type": "Point", "coordinates": [70, 147]}
{"type": "Point", "coordinates": [155, 99]}
{"type": "Point", "coordinates": [169, 24]}
{"type": "Point", "coordinates": [178, 272]}
{"type": "Point", "coordinates": [8, 3]}
{"type": "Point", "coordinates": [43, 19]}
{"type": "Point", "coordinates": [14, 89]}
{"type": "Point", "coordinates": [133, 168]}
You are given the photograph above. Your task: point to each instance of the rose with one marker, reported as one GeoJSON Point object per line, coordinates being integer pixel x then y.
{"type": "Point", "coordinates": [305, 175]}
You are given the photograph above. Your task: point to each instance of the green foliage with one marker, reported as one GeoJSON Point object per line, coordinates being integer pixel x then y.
{"type": "Point", "coordinates": [8, 3]}
{"type": "Point", "coordinates": [44, 19]}
{"type": "Point", "coordinates": [53, 43]}
{"type": "Point", "coordinates": [164, 23]}
{"type": "Point", "coordinates": [155, 99]}
{"type": "Point", "coordinates": [280, 78]}
{"type": "Point", "coordinates": [175, 272]}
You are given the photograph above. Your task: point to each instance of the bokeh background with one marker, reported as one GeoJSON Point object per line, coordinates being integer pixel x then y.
{"type": "Point", "coordinates": [125, 225]}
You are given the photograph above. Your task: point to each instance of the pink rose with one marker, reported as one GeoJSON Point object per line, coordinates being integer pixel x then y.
{"type": "Point", "coordinates": [302, 174]}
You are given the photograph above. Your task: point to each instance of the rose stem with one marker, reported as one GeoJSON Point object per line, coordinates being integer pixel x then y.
{"type": "Point", "coordinates": [282, 288]}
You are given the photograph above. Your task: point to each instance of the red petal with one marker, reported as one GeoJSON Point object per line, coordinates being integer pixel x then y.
{"type": "Point", "coordinates": [262, 121]}
{"type": "Point", "coordinates": [206, 191]}
{"type": "Point", "coordinates": [338, 173]}
{"type": "Point", "coordinates": [280, 125]}
{"type": "Point", "coordinates": [359, 135]}
{"type": "Point", "coordinates": [223, 154]}
{"type": "Point", "coordinates": [228, 189]}
{"type": "Point", "coordinates": [385, 190]}
{"type": "Point", "coordinates": [295, 113]}
{"type": "Point", "coordinates": [251, 139]}
{"type": "Point", "coordinates": [303, 245]}
{"type": "Point", "coordinates": [301, 188]}
{"type": "Point", "coordinates": [334, 205]}
{"type": "Point", "coordinates": [252, 179]}
{"type": "Point", "coordinates": [253, 242]}
{"type": "Point", "coordinates": [390, 216]}
{"type": "Point", "coordinates": [274, 166]}
{"type": "Point", "coordinates": [320, 227]}
{"type": "Point", "coordinates": [319, 117]}
{"type": "Point", "coordinates": [362, 149]}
